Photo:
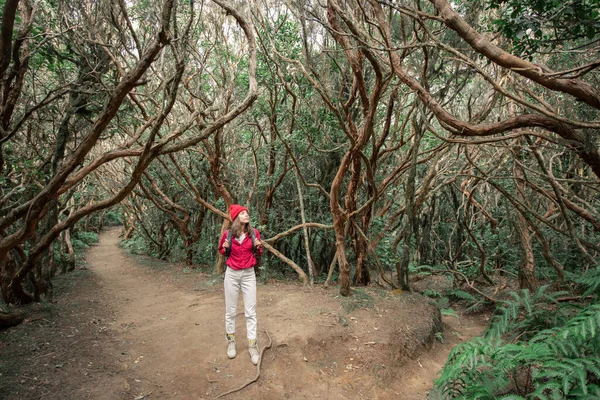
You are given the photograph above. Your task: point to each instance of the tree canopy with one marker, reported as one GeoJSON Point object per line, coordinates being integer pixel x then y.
{"type": "Point", "coordinates": [368, 137]}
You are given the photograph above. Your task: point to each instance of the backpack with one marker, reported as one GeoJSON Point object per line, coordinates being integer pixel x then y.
{"type": "Point", "coordinates": [229, 237]}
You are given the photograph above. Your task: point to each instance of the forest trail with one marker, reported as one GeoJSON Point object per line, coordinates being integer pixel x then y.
{"type": "Point", "coordinates": [145, 332]}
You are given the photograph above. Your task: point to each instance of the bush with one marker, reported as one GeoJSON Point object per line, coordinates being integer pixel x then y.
{"type": "Point", "coordinates": [112, 218]}
{"type": "Point", "coordinates": [135, 245]}
{"type": "Point", "coordinates": [535, 348]}
{"type": "Point", "coordinates": [88, 238]}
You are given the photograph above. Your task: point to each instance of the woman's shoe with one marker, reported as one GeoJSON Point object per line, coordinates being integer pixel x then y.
{"type": "Point", "coordinates": [253, 350]}
{"type": "Point", "coordinates": [231, 351]}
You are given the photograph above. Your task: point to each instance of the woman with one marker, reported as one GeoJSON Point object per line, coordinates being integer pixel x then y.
{"type": "Point", "coordinates": [239, 245]}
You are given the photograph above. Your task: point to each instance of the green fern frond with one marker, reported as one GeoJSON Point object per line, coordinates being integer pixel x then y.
{"type": "Point", "coordinates": [582, 375]}
{"type": "Point", "coordinates": [563, 359]}
{"type": "Point", "coordinates": [461, 294]}
{"type": "Point", "coordinates": [590, 280]}
{"type": "Point", "coordinates": [467, 364]}
{"type": "Point", "coordinates": [572, 373]}
{"type": "Point", "coordinates": [592, 326]}
{"type": "Point", "coordinates": [547, 391]}
{"type": "Point", "coordinates": [527, 301]}
{"type": "Point", "coordinates": [527, 313]}
{"type": "Point", "coordinates": [549, 340]}
{"type": "Point", "coordinates": [594, 366]}
{"type": "Point", "coordinates": [583, 325]}
{"type": "Point", "coordinates": [593, 392]}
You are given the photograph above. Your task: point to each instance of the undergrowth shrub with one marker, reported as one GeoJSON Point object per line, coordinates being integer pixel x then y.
{"type": "Point", "coordinates": [135, 245]}
{"type": "Point", "coordinates": [536, 347]}
{"type": "Point", "coordinates": [112, 218]}
{"type": "Point", "coordinates": [82, 240]}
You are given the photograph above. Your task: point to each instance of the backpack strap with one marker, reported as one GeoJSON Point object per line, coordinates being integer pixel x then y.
{"type": "Point", "coordinates": [253, 236]}
{"type": "Point", "coordinates": [228, 249]}
{"type": "Point", "coordinates": [229, 237]}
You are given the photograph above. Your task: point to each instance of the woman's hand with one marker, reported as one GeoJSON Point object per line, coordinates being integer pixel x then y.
{"type": "Point", "coordinates": [257, 243]}
{"type": "Point", "coordinates": [225, 244]}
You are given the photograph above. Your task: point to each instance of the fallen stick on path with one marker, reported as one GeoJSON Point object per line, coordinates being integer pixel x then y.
{"type": "Point", "coordinates": [262, 352]}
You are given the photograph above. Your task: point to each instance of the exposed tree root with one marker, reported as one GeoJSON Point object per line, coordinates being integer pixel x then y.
{"type": "Point", "coordinates": [8, 320]}
{"type": "Point", "coordinates": [262, 352]}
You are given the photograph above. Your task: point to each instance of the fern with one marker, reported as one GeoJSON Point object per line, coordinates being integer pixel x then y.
{"type": "Point", "coordinates": [467, 372]}
{"type": "Point", "coordinates": [576, 333]}
{"type": "Point", "coordinates": [527, 314]}
{"type": "Point", "coordinates": [548, 390]}
{"type": "Point", "coordinates": [461, 294]}
{"type": "Point", "coordinates": [593, 393]}
{"type": "Point", "coordinates": [591, 280]}
{"type": "Point", "coordinates": [559, 362]}
{"type": "Point", "coordinates": [573, 352]}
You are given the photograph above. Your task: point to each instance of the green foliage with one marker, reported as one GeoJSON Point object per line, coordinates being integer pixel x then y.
{"type": "Point", "coordinates": [532, 25]}
{"type": "Point", "coordinates": [591, 280]}
{"type": "Point", "coordinates": [78, 245]}
{"type": "Point", "coordinates": [112, 218]}
{"type": "Point", "coordinates": [441, 301]}
{"type": "Point", "coordinates": [89, 238]}
{"type": "Point", "coordinates": [439, 336]}
{"type": "Point", "coordinates": [204, 251]}
{"type": "Point", "coordinates": [384, 252]}
{"type": "Point", "coordinates": [421, 270]}
{"type": "Point", "coordinates": [461, 294]}
{"type": "Point", "coordinates": [432, 293]}
{"type": "Point", "coordinates": [135, 245]}
{"type": "Point", "coordinates": [535, 348]}
{"type": "Point", "coordinates": [60, 258]}
{"type": "Point", "coordinates": [448, 312]}
{"type": "Point", "coordinates": [526, 314]}
{"type": "Point", "coordinates": [82, 240]}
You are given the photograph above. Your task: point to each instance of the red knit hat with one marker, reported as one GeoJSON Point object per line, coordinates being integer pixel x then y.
{"type": "Point", "coordinates": [235, 209]}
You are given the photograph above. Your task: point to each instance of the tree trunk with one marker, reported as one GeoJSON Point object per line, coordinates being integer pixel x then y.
{"type": "Point", "coordinates": [455, 249]}
{"type": "Point", "coordinates": [48, 271]}
{"type": "Point", "coordinates": [189, 251]}
{"type": "Point", "coordinates": [339, 221]}
{"type": "Point", "coordinates": [425, 238]}
{"type": "Point", "coordinates": [331, 269]}
{"type": "Point", "coordinates": [527, 266]}
{"type": "Point", "coordinates": [12, 293]}
{"type": "Point", "coordinates": [71, 263]}
{"type": "Point", "coordinates": [411, 220]}
{"type": "Point", "coordinates": [305, 234]}
{"type": "Point", "coordinates": [130, 228]}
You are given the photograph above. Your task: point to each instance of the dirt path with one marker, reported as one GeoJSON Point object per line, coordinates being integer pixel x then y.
{"type": "Point", "coordinates": [139, 331]}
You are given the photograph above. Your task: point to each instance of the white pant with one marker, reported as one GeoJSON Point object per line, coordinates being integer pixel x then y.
{"type": "Point", "coordinates": [236, 279]}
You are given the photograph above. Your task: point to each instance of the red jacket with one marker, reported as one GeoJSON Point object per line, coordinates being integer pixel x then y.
{"type": "Point", "coordinates": [241, 255]}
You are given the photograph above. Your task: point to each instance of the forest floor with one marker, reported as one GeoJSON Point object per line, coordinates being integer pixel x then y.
{"type": "Point", "coordinates": [133, 328]}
